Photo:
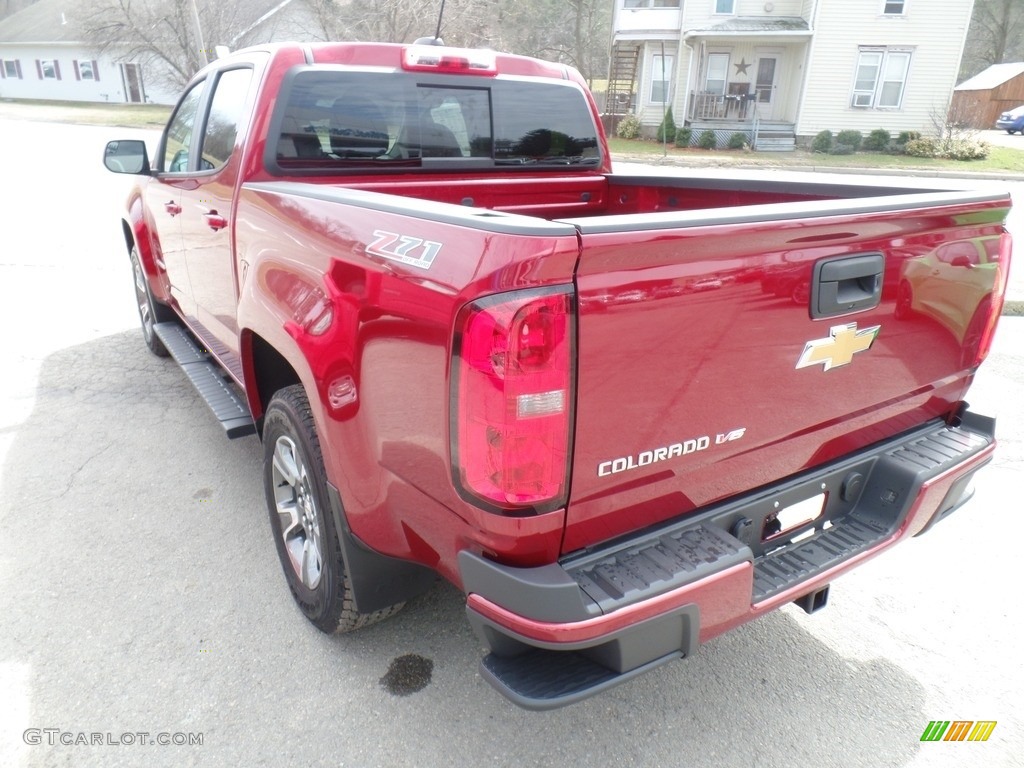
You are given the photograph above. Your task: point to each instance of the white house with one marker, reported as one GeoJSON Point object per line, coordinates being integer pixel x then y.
{"type": "Point", "coordinates": [796, 67]}
{"type": "Point", "coordinates": [42, 55]}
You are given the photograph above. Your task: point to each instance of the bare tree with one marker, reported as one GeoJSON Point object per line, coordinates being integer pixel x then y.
{"type": "Point", "coordinates": [465, 22]}
{"type": "Point", "coordinates": [575, 32]}
{"type": "Point", "coordinates": [179, 33]}
{"type": "Point", "coordinates": [572, 31]}
{"type": "Point", "coordinates": [386, 21]}
{"type": "Point", "coordinates": [995, 35]}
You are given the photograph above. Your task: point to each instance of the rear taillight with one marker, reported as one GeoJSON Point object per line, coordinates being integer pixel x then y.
{"type": "Point", "coordinates": [1002, 273]}
{"type": "Point", "coordinates": [512, 400]}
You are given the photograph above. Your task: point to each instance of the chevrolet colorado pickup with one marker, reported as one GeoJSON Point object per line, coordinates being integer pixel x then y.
{"type": "Point", "coordinates": [472, 349]}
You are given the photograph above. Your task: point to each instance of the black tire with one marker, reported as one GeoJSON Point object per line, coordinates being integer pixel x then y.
{"type": "Point", "coordinates": [300, 517]}
{"type": "Point", "coordinates": [1010, 131]}
{"type": "Point", "coordinates": [150, 310]}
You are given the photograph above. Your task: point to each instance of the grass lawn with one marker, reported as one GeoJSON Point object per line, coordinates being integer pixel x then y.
{"type": "Point", "coordinates": [1000, 159]}
{"type": "Point", "coordinates": [87, 113]}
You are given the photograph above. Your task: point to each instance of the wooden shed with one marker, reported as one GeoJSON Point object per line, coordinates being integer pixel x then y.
{"type": "Point", "coordinates": [978, 101]}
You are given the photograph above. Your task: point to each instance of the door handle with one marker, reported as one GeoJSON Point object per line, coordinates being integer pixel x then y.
{"type": "Point", "coordinates": [845, 284]}
{"type": "Point", "coordinates": [215, 220]}
{"type": "Point", "coordinates": [172, 208]}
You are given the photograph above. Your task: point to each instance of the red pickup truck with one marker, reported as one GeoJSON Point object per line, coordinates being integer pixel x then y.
{"type": "Point", "coordinates": [470, 348]}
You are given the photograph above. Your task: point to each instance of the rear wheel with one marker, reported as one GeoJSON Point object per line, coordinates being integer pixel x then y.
{"type": "Point", "coordinates": [150, 310]}
{"type": "Point", "coordinates": [300, 517]}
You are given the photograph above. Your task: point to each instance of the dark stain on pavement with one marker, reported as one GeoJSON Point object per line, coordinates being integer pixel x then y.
{"type": "Point", "coordinates": [407, 675]}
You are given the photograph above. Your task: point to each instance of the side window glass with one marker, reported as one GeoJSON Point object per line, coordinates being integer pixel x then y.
{"type": "Point", "coordinates": [225, 115]}
{"type": "Point", "coordinates": [179, 132]}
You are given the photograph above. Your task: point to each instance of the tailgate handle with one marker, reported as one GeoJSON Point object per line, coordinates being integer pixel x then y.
{"type": "Point", "coordinates": [845, 284]}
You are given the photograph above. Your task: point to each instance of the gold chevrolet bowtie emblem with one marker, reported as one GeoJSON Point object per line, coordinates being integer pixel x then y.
{"type": "Point", "coordinates": [843, 342]}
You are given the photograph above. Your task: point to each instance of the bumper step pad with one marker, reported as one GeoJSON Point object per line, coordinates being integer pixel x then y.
{"type": "Point", "coordinates": [659, 565]}
{"type": "Point", "coordinates": [221, 395]}
{"type": "Point", "coordinates": [542, 680]}
{"type": "Point", "coordinates": [779, 570]}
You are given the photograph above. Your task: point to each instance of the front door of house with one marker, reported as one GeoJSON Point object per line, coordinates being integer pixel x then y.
{"type": "Point", "coordinates": [131, 74]}
{"type": "Point", "coordinates": [764, 85]}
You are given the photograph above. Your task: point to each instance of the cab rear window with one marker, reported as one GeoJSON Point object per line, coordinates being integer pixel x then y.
{"type": "Point", "coordinates": [331, 120]}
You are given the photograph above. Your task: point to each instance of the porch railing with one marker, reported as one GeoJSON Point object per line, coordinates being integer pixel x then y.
{"type": "Point", "coordinates": [721, 106]}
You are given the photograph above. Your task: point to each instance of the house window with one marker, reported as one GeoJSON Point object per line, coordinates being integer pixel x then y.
{"type": "Point", "coordinates": [718, 73]}
{"type": "Point", "coordinates": [894, 7]}
{"type": "Point", "coordinates": [725, 6]}
{"type": "Point", "coordinates": [881, 78]}
{"type": "Point", "coordinates": [661, 77]}
{"type": "Point", "coordinates": [11, 68]}
{"type": "Point", "coordinates": [86, 70]}
{"type": "Point", "coordinates": [48, 69]}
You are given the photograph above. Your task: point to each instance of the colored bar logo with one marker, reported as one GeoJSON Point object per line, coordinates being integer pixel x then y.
{"type": "Point", "coordinates": [958, 730]}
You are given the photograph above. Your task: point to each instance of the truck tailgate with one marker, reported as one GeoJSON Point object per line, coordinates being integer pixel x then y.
{"type": "Point", "coordinates": [721, 350]}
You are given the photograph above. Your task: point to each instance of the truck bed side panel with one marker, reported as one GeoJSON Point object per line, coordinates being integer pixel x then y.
{"type": "Point", "coordinates": [359, 292]}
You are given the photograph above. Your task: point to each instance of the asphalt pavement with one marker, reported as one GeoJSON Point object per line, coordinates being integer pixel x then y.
{"type": "Point", "coordinates": [141, 599]}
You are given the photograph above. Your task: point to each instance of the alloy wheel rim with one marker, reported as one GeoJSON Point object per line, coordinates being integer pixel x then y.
{"type": "Point", "coordinates": [142, 299]}
{"type": "Point", "coordinates": [297, 512]}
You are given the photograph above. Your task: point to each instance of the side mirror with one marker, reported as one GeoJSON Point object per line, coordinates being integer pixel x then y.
{"type": "Point", "coordinates": [962, 261]}
{"type": "Point", "coordinates": [126, 156]}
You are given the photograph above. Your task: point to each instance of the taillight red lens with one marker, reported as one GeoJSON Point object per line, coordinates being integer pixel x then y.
{"type": "Point", "coordinates": [1002, 274]}
{"type": "Point", "coordinates": [512, 400]}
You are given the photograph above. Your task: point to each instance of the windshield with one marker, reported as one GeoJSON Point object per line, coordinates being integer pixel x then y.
{"type": "Point", "coordinates": [332, 119]}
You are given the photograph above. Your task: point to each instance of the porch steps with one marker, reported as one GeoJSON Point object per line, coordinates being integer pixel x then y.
{"type": "Point", "coordinates": [621, 78]}
{"type": "Point", "coordinates": [772, 141]}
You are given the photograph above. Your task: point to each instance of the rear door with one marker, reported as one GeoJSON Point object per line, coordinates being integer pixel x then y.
{"type": "Point", "coordinates": [695, 384]}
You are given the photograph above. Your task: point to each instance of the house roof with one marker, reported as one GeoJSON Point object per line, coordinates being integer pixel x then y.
{"type": "Point", "coordinates": [753, 25]}
{"type": "Point", "coordinates": [54, 21]}
{"type": "Point", "coordinates": [45, 21]}
{"type": "Point", "coordinates": [992, 77]}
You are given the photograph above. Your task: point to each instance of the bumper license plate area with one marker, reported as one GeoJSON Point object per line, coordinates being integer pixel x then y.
{"type": "Point", "coordinates": [791, 523]}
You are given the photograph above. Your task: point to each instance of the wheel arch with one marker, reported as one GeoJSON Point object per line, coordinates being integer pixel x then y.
{"type": "Point", "coordinates": [379, 584]}
{"type": "Point", "coordinates": [136, 234]}
{"type": "Point", "coordinates": [128, 234]}
{"type": "Point", "coordinates": [266, 372]}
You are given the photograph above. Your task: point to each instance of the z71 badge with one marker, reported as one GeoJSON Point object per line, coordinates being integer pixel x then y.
{"type": "Point", "coordinates": [413, 251]}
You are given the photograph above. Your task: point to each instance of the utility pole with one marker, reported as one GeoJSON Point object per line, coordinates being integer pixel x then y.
{"type": "Point", "coordinates": [199, 31]}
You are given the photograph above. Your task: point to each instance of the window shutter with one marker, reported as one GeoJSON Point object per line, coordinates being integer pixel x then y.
{"type": "Point", "coordinates": [3, 70]}
{"type": "Point", "coordinates": [56, 68]}
{"type": "Point", "coordinates": [17, 66]}
{"type": "Point", "coordinates": [95, 70]}
{"type": "Point", "coordinates": [78, 75]}
{"type": "Point", "coordinates": [39, 68]}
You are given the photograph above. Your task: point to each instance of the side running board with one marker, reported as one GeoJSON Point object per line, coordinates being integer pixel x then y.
{"type": "Point", "coordinates": [220, 394]}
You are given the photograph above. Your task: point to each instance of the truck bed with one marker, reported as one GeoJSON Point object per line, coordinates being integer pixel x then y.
{"type": "Point", "coordinates": [694, 300]}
